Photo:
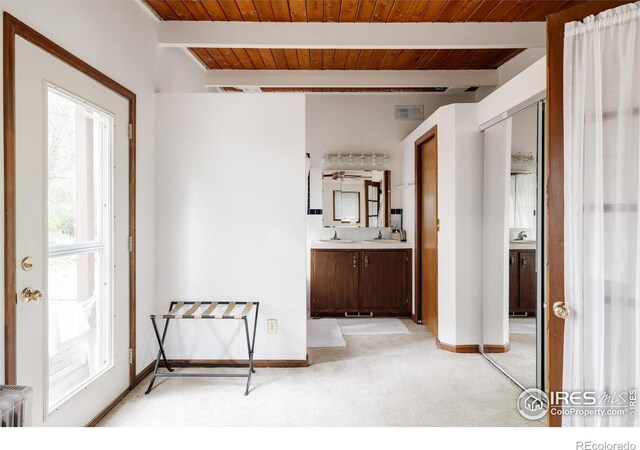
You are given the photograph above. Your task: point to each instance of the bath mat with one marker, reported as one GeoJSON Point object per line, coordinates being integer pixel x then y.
{"type": "Point", "coordinates": [371, 327]}
{"type": "Point", "coordinates": [322, 333]}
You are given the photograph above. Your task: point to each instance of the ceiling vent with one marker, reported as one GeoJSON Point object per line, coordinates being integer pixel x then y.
{"type": "Point", "coordinates": [413, 112]}
{"type": "Point", "coordinates": [252, 89]}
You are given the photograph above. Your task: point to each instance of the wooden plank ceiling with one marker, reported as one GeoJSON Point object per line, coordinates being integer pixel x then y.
{"type": "Point", "coordinates": [342, 59]}
{"type": "Point", "coordinates": [358, 10]}
{"type": "Point", "coordinates": [355, 11]}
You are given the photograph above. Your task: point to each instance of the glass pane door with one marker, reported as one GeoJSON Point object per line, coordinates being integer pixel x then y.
{"type": "Point", "coordinates": [79, 275]}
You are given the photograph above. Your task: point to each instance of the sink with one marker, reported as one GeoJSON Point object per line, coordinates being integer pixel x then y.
{"type": "Point", "coordinates": [337, 241]}
{"type": "Point", "coordinates": [381, 241]}
{"type": "Point", "coordinates": [525, 241]}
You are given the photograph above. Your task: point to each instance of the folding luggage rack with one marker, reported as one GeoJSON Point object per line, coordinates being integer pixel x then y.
{"type": "Point", "coordinates": [205, 310]}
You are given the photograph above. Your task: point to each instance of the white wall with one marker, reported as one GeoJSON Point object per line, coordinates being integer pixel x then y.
{"type": "Point", "coordinates": [460, 185]}
{"type": "Point", "coordinates": [512, 68]}
{"type": "Point", "coordinates": [520, 91]}
{"type": "Point", "coordinates": [120, 39]}
{"type": "Point", "coordinates": [230, 213]}
{"type": "Point", "coordinates": [469, 178]}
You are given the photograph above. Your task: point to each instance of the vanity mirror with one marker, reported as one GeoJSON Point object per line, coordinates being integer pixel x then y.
{"type": "Point", "coordinates": [356, 198]}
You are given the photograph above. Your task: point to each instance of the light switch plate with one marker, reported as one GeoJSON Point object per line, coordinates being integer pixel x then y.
{"type": "Point", "coordinates": [272, 326]}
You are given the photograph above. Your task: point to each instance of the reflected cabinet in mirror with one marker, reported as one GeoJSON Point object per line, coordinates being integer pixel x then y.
{"type": "Point", "coordinates": [356, 198]}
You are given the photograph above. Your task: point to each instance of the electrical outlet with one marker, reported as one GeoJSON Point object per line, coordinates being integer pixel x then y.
{"type": "Point", "coordinates": [272, 326]}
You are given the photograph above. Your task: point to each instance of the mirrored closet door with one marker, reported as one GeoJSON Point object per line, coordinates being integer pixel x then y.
{"type": "Point", "coordinates": [512, 306]}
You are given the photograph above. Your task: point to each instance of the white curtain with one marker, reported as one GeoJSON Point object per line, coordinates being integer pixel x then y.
{"type": "Point", "coordinates": [602, 253]}
{"type": "Point", "coordinates": [526, 185]}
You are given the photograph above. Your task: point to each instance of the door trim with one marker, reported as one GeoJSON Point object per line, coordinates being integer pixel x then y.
{"type": "Point", "coordinates": [431, 134]}
{"type": "Point", "coordinates": [12, 28]}
{"type": "Point", "coordinates": [554, 178]}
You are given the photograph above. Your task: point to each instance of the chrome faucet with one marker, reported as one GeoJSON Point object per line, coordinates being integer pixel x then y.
{"type": "Point", "coordinates": [521, 236]}
{"type": "Point", "coordinates": [335, 236]}
{"type": "Point", "coordinates": [379, 235]}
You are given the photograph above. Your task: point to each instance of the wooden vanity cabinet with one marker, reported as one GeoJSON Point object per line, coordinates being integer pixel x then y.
{"type": "Point", "coordinates": [522, 282]}
{"type": "Point", "coordinates": [360, 282]}
{"type": "Point", "coordinates": [334, 280]}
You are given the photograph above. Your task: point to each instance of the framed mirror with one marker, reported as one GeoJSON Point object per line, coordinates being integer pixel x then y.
{"type": "Point", "coordinates": [356, 198]}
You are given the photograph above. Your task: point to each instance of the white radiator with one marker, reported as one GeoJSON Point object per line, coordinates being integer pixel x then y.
{"type": "Point", "coordinates": [15, 406]}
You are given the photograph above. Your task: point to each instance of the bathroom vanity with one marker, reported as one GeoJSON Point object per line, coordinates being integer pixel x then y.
{"type": "Point", "coordinates": [360, 279]}
{"type": "Point", "coordinates": [522, 281]}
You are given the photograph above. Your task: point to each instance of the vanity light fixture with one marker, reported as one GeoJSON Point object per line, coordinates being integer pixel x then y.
{"type": "Point", "coordinates": [523, 164]}
{"type": "Point", "coordinates": [364, 161]}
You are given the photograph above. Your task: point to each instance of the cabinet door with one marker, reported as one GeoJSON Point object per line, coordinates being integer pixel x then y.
{"type": "Point", "coordinates": [514, 285]}
{"type": "Point", "coordinates": [383, 283]}
{"type": "Point", "coordinates": [334, 280]}
{"type": "Point", "coordinates": [528, 281]}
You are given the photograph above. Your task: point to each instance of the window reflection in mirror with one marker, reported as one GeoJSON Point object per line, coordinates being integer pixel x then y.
{"type": "Point", "coordinates": [522, 208]}
{"type": "Point", "coordinates": [346, 207]}
{"type": "Point", "coordinates": [356, 198]}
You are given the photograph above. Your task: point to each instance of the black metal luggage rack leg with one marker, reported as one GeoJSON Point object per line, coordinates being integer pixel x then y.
{"type": "Point", "coordinates": [194, 311]}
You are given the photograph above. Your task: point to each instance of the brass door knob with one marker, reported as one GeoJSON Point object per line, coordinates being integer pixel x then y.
{"type": "Point", "coordinates": [560, 310]}
{"type": "Point", "coordinates": [31, 295]}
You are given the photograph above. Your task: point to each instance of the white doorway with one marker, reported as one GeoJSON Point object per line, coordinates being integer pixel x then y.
{"type": "Point", "coordinates": [72, 238]}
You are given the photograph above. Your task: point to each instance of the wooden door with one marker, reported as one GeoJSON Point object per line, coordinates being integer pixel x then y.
{"type": "Point", "coordinates": [555, 184]}
{"type": "Point", "coordinates": [334, 280]}
{"type": "Point", "coordinates": [427, 228]}
{"type": "Point", "coordinates": [383, 281]}
{"type": "Point", "coordinates": [514, 285]}
{"type": "Point", "coordinates": [527, 281]}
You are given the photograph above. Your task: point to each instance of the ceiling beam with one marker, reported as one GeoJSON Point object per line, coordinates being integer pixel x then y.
{"type": "Point", "coordinates": [352, 35]}
{"type": "Point", "coordinates": [352, 78]}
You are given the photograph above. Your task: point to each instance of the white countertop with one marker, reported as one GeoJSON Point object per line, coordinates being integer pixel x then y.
{"type": "Point", "coordinates": [359, 245]}
{"type": "Point", "coordinates": [523, 245]}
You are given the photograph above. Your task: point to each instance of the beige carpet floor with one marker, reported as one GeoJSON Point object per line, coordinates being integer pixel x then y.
{"type": "Point", "coordinates": [391, 380]}
{"type": "Point", "coordinates": [520, 361]}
